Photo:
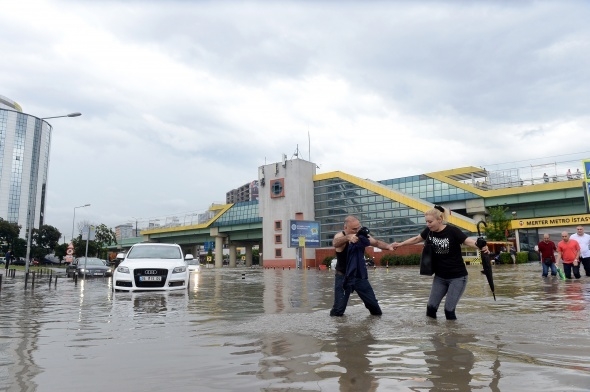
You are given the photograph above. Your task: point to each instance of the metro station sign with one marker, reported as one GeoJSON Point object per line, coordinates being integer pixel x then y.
{"type": "Point", "coordinates": [565, 220]}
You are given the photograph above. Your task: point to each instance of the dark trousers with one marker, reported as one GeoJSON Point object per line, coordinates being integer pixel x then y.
{"type": "Point", "coordinates": [585, 261]}
{"type": "Point", "coordinates": [567, 270]}
{"type": "Point", "coordinates": [342, 294]}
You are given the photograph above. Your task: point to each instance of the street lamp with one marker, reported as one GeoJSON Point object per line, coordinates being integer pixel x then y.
{"type": "Point", "coordinates": [30, 222]}
{"type": "Point", "coordinates": [136, 219]}
{"type": "Point", "coordinates": [74, 220]}
{"type": "Point", "coordinates": [67, 115]}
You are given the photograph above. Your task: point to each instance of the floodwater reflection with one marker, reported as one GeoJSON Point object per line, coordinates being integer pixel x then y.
{"type": "Point", "coordinates": [269, 330]}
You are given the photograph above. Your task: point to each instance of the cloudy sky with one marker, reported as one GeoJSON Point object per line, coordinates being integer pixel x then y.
{"type": "Point", "coordinates": [181, 101]}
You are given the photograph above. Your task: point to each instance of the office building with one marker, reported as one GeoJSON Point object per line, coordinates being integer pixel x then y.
{"type": "Point", "coordinates": [24, 162]}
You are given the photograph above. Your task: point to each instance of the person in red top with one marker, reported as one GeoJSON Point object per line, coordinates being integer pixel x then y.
{"type": "Point", "coordinates": [569, 253]}
{"type": "Point", "coordinates": [547, 249]}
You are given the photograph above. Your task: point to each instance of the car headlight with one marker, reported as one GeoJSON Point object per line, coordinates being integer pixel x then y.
{"type": "Point", "coordinates": [109, 271]}
{"type": "Point", "coordinates": [81, 270]}
{"type": "Point", "coordinates": [123, 270]}
{"type": "Point", "coordinates": [179, 269]}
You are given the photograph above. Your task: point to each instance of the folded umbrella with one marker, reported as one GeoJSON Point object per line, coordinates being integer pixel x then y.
{"type": "Point", "coordinates": [485, 260]}
{"type": "Point", "coordinates": [560, 273]}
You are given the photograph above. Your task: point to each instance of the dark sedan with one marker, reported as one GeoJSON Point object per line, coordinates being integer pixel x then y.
{"type": "Point", "coordinates": [90, 267]}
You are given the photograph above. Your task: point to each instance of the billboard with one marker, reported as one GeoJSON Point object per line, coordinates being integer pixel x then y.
{"type": "Point", "coordinates": [304, 233]}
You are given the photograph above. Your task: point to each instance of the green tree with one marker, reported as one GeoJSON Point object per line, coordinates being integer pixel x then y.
{"type": "Point", "coordinates": [255, 256]}
{"type": "Point", "coordinates": [19, 247]}
{"type": "Point", "coordinates": [60, 251]}
{"type": "Point", "coordinates": [44, 241]}
{"type": "Point", "coordinates": [104, 237]}
{"type": "Point", "coordinates": [8, 233]}
{"type": "Point", "coordinates": [497, 224]}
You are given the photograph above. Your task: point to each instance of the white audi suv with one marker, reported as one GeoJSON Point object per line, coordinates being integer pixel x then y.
{"type": "Point", "coordinates": [152, 266]}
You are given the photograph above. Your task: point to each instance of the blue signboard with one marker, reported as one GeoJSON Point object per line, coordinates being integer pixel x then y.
{"type": "Point", "coordinates": [304, 232]}
{"type": "Point", "coordinates": [209, 245]}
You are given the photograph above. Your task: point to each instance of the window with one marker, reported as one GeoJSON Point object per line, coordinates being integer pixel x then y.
{"type": "Point", "coordinates": [278, 225]}
{"type": "Point", "coordinates": [278, 252]}
{"type": "Point", "coordinates": [277, 188]}
{"type": "Point", "coordinates": [278, 239]}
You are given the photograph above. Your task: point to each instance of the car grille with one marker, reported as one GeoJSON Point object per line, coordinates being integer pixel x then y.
{"type": "Point", "coordinates": [163, 272]}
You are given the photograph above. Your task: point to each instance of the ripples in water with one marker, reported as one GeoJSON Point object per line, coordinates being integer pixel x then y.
{"type": "Point", "coordinates": [269, 330]}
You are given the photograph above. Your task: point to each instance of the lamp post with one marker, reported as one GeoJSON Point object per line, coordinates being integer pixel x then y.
{"type": "Point", "coordinates": [67, 115]}
{"type": "Point", "coordinates": [135, 219]}
{"type": "Point", "coordinates": [30, 222]}
{"type": "Point", "coordinates": [74, 220]}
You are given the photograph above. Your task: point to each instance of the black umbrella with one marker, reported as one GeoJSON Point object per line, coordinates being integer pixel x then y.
{"type": "Point", "coordinates": [485, 259]}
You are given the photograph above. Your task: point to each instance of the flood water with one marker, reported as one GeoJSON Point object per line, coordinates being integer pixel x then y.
{"type": "Point", "coordinates": [269, 330]}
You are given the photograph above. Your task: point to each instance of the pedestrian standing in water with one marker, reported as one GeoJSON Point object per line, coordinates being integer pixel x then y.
{"type": "Point", "coordinates": [450, 273]}
{"type": "Point", "coordinates": [547, 250]}
{"type": "Point", "coordinates": [356, 279]}
{"type": "Point", "coordinates": [7, 259]}
{"type": "Point", "coordinates": [583, 239]}
{"type": "Point", "coordinates": [568, 251]}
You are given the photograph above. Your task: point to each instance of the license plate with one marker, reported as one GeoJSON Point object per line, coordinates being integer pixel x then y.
{"type": "Point", "coordinates": [98, 273]}
{"type": "Point", "coordinates": [150, 278]}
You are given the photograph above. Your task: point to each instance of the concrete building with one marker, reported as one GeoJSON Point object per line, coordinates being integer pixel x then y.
{"type": "Point", "coordinates": [247, 192]}
{"type": "Point", "coordinates": [125, 231]}
{"type": "Point", "coordinates": [286, 198]}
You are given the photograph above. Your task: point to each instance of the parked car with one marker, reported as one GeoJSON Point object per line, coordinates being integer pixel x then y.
{"type": "Point", "coordinates": [193, 265]}
{"type": "Point", "coordinates": [152, 266]}
{"type": "Point", "coordinates": [89, 267]}
{"type": "Point", "coordinates": [51, 259]}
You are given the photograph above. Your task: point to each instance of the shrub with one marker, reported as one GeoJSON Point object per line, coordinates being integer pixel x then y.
{"type": "Point", "coordinates": [522, 257]}
{"type": "Point", "coordinates": [505, 258]}
{"type": "Point", "coordinates": [388, 260]}
{"type": "Point", "coordinates": [534, 256]}
{"type": "Point", "coordinates": [328, 261]}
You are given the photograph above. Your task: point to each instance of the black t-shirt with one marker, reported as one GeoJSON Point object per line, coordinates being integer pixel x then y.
{"type": "Point", "coordinates": [447, 261]}
{"type": "Point", "coordinates": [342, 259]}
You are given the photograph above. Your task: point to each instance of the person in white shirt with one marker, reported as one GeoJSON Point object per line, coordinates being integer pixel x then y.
{"type": "Point", "coordinates": [584, 240]}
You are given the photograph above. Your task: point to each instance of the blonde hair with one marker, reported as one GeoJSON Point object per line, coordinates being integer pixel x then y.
{"type": "Point", "coordinates": [438, 212]}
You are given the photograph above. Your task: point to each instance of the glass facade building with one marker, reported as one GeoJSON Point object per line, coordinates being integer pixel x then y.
{"type": "Point", "coordinates": [240, 213]}
{"type": "Point", "coordinates": [389, 220]}
{"type": "Point", "coordinates": [24, 162]}
{"type": "Point", "coordinates": [429, 189]}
